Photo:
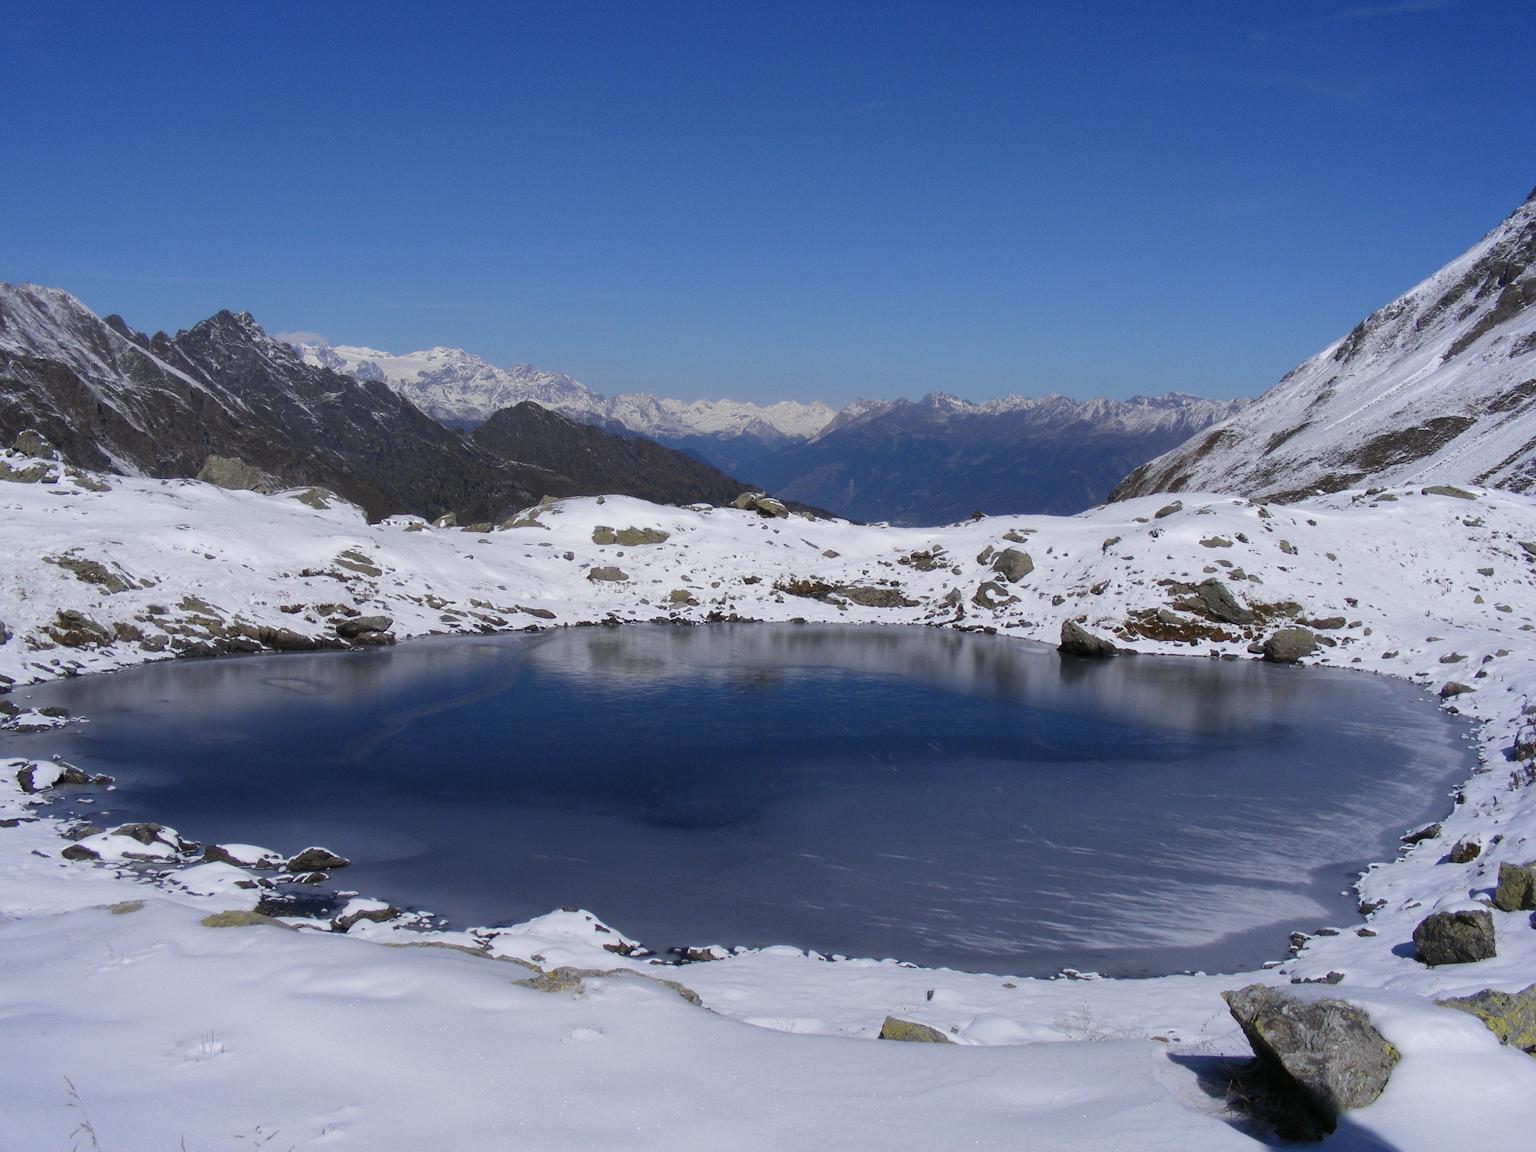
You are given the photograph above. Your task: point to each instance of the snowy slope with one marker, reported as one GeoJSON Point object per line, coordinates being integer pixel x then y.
{"type": "Point", "coordinates": [455, 386]}
{"type": "Point", "coordinates": [168, 1030]}
{"type": "Point", "coordinates": [1437, 387]}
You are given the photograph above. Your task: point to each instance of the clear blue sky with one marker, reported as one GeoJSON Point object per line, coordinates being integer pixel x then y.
{"type": "Point", "coordinates": [777, 200]}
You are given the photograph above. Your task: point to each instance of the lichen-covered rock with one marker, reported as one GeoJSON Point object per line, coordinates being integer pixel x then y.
{"type": "Point", "coordinates": [1448, 490]}
{"type": "Point", "coordinates": [31, 442]}
{"type": "Point", "coordinates": [1078, 641]}
{"type": "Point", "coordinates": [230, 472]}
{"type": "Point", "coordinates": [1327, 1048]}
{"type": "Point", "coordinates": [38, 472]}
{"type": "Point", "coordinates": [1168, 509]}
{"type": "Point", "coordinates": [639, 537]}
{"type": "Point", "coordinates": [1288, 645]}
{"type": "Point", "coordinates": [606, 572]}
{"type": "Point", "coordinates": [1516, 890]}
{"type": "Point", "coordinates": [1511, 1016]}
{"type": "Point", "coordinates": [1460, 937]}
{"type": "Point", "coordinates": [1013, 564]}
{"type": "Point", "coordinates": [867, 596]}
{"type": "Point", "coordinates": [894, 1028]}
{"type": "Point", "coordinates": [1219, 603]}
{"type": "Point", "coordinates": [1454, 688]}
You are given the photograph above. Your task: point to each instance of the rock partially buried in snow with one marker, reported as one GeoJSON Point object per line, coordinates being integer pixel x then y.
{"type": "Point", "coordinates": [231, 472]}
{"type": "Point", "coordinates": [762, 504]}
{"type": "Point", "coordinates": [1288, 645]}
{"type": "Point", "coordinates": [911, 1032]}
{"type": "Point", "coordinates": [1511, 1016]}
{"type": "Point", "coordinates": [608, 573]}
{"type": "Point", "coordinates": [1168, 510]}
{"type": "Point", "coordinates": [1464, 936]}
{"type": "Point", "coordinates": [358, 626]}
{"type": "Point", "coordinates": [1328, 1049]}
{"type": "Point", "coordinates": [1217, 599]}
{"type": "Point", "coordinates": [1448, 490]}
{"type": "Point", "coordinates": [1078, 641]}
{"type": "Point", "coordinates": [316, 860]}
{"type": "Point", "coordinates": [242, 856]}
{"type": "Point", "coordinates": [1013, 564]}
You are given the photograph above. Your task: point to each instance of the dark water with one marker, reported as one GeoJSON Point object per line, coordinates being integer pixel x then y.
{"type": "Point", "coordinates": [942, 798]}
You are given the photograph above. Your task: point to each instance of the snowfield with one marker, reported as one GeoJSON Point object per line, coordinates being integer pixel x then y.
{"type": "Point", "coordinates": [131, 1023]}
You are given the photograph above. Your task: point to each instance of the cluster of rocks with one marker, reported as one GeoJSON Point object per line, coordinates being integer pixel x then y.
{"type": "Point", "coordinates": [762, 504]}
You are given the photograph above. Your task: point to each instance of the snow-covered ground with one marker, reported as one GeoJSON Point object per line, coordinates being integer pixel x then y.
{"type": "Point", "coordinates": [156, 1032]}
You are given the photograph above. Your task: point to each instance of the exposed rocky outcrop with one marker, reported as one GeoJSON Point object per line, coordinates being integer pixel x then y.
{"type": "Point", "coordinates": [1078, 641]}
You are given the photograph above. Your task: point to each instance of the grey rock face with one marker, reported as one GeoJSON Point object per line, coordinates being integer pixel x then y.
{"type": "Point", "coordinates": [1289, 645]}
{"type": "Point", "coordinates": [1168, 509]}
{"type": "Point", "coordinates": [357, 625]}
{"type": "Point", "coordinates": [606, 572]}
{"type": "Point", "coordinates": [1516, 890]}
{"type": "Point", "coordinates": [1078, 641]}
{"type": "Point", "coordinates": [1328, 1048]}
{"type": "Point", "coordinates": [1455, 937]}
{"type": "Point", "coordinates": [1218, 600]}
{"type": "Point", "coordinates": [1013, 564]}
{"type": "Point", "coordinates": [762, 504]}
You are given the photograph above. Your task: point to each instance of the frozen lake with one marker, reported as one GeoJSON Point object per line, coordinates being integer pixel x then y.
{"type": "Point", "coordinates": [947, 799]}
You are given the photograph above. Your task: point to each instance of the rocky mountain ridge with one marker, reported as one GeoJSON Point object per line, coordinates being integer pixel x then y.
{"type": "Point", "coordinates": [1438, 387]}
{"type": "Point", "coordinates": [114, 399]}
{"type": "Point", "coordinates": [922, 461]}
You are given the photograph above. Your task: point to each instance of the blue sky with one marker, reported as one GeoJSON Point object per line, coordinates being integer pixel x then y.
{"type": "Point", "coordinates": [777, 200]}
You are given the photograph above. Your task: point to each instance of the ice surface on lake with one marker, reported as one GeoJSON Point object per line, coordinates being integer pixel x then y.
{"type": "Point", "coordinates": [938, 797]}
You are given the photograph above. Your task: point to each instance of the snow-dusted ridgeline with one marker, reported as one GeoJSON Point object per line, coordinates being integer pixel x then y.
{"type": "Point", "coordinates": [456, 386]}
{"type": "Point", "coordinates": [1439, 386]}
{"type": "Point", "coordinates": [170, 1030]}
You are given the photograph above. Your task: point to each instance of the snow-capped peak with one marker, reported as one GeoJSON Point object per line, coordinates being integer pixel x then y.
{"type": "Point", "coordinates": [456, 386]}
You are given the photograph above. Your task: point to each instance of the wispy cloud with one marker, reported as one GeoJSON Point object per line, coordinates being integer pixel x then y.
{"type": "Point", "coordinates": [1396, 8]}
{"type": "Point", "coordinates": [1352, 95]}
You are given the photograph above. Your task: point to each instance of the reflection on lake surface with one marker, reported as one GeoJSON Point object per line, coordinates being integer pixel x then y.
{"type": "Point", "coordinates": [944, 798]}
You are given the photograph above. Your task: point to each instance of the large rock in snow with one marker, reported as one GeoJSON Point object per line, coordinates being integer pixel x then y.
{"type": "Point", "coordinates": [1327, 1048]}
{"type": "Point", "coordinates": [1078, 641]}
{"type": "Point", "coordinates": [1289, 645]}
{"type": "Point", "coordinates": [1458, 937]}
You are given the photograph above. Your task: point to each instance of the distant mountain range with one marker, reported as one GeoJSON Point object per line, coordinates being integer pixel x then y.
{"type": "Point", "coordinates": [117, 400]}
{"type": "Point", "coordinates": [1438, 387]}
{"type": "Point", "coordinates": [461, 389]}
{"type": "Point", "coordinates": [926, 461]}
